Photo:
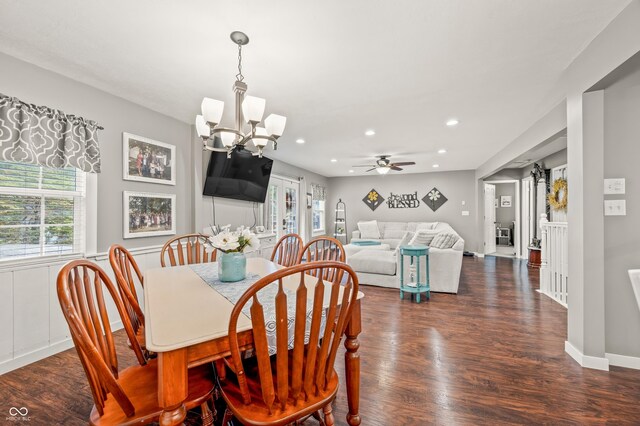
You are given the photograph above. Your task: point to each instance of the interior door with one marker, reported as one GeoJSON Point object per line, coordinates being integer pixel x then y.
{"type": "Point", "coordinates": [489, 218]}
{"type": "Point", "coordinates": [284, 207]}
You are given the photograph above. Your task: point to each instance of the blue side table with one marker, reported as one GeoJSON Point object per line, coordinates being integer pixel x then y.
{"type": "Point", "coordinates": [415, 253]}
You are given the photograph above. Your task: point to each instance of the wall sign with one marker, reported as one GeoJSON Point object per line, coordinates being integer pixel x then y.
{"type": "Point", "coordinates": [373, 199]}
{"type": "Point", "coordinates": [434, 199]}
{"type": "Point", "coordinates": [403, 201]}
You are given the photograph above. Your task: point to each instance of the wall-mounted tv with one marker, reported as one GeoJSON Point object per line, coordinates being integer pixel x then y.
{"type": "Point", "coordinates": [241, 177]}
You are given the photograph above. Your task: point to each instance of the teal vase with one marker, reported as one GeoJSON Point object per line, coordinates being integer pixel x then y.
{"type": "Point", "coordinates": [232, 267]}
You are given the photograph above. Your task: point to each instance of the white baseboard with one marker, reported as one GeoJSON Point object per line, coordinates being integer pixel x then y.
{"type": "Point", "coordinates": [586, 361]}
{"type": "Point", "coordinates": [623, 361]}
{"type": "Point", "coordinates": [42, 353]}
{"type": "Point", "coordinates": [478, 254]}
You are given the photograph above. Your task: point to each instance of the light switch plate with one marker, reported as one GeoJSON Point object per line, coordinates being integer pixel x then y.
{"type": "Point", "coordinates": [615, 207]}
{"type": "Point", "coordinates": [614, 186]}
{"type": "Point", "coordinates": [465, 213]}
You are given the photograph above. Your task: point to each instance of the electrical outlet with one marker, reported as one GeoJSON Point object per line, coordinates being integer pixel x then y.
{"type": "Point", "coordinates": [615, 207]}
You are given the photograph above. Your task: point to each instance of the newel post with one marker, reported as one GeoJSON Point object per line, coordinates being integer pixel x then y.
{"type": "Point", "coordinates": [544, 254]}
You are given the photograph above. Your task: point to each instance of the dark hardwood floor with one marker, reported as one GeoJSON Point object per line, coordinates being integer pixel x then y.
{"type": "Point", "coordinates": [493, 354]}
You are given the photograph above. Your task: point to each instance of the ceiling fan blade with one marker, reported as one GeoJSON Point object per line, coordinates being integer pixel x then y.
{"type": "Point", "coordinates": [394, 167]}
{"type": "Point", "coordinates": [405, 163]}
{"type": "Point", "coordinates": [365, 165]}
{"type": "Point", "coordinates": [371, 169]}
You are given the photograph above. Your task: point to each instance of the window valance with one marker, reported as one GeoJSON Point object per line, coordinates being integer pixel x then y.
{"type": "Point", "coordinates": [47, 137]}
{"type": "Point", "coordinates": [318, 192]}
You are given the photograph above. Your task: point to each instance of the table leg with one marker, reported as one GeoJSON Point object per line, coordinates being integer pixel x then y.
{"type": "Point", "coordinates": [352, 365]}
{"type": "Point", "coordinates": [172, 386]}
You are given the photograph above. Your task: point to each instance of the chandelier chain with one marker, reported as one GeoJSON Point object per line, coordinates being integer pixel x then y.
{"type": "Point", "coordinates": [239, 76]}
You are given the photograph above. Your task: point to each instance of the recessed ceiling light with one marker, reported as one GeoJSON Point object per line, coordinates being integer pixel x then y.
{"type": "Point", "coordinates": [333, 160]}
{"type": "Point", "coordinates": [370, 132]}
{"type": "Point", "coordinates": [350, 171]}
{"type": "Point", "coordinates": [442, 151]}
{"type": "Point", "coordinates": [299, 140]}
{"type": "Point", "coordinates": [435, 166]}
{"type": "Point", "coordinates": [452, 122]}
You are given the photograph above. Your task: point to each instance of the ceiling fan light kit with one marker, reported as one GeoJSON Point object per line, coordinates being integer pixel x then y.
{"type": "Point", "coordinates": [249, 109]}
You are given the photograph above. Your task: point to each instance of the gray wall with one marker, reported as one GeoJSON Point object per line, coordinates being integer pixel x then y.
{"type": "Point", "coordinates": [457, 186]}
{"type": "Point", "coordinates": [42, 87]}
{"type": "Point", "coordinates": [622, 233]}
{"type": "Point", "coordinates": [506, 215]}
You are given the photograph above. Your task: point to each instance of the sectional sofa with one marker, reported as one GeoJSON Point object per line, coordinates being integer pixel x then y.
{"type": "Point", "coordinates": [381, 268]}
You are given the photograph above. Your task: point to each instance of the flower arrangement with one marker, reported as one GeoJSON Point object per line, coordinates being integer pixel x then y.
{"type": "Point", "coordinates": [242, 240]}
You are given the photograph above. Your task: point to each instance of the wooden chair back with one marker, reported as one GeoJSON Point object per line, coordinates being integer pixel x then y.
{"type": "Point", "coordinates": [80, 292]}
{"type": "Point", "coordinates": [187, 249]}
{"type": "Point", "coordinates": [307, 368]}
{"type": "Point", "coordinates": [323, 249]}
{"type": "Point", "coordinates": [287, 250]}
{"type": "Point", "coordinates": [127, 272]}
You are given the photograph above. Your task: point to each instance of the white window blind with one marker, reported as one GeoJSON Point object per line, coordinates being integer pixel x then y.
{"type": "Point", "coordinates": [42, 211]}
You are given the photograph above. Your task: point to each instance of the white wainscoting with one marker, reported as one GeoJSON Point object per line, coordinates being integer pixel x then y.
{"type": "Point", "coordinates": [31, 321]}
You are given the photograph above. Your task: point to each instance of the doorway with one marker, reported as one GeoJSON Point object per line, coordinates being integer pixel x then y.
{"type": "Point", "coordinates": [283, 206]}
{"type": "Point", "coordinates": [502, 218]}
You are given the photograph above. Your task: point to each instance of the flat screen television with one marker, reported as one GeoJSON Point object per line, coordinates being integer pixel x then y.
{"type": "Point", "coordinates": [241, 177]}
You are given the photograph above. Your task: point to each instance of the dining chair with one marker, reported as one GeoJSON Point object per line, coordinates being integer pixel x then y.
{"type": "Point", "coordinates": [287, 250]}
{"type": "Point", "coordinates": [187, 249]}
{"type": "Point", "coordinates": [300, 379]}
{"type": "Point", "coordinates": [126, 271]}
{"type": "Point", "coordinates": [323, 248]}
{"type": "Point", "coordinates": [120, 397]}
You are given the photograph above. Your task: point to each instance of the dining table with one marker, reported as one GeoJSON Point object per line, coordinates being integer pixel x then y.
{"type": "Point", "coordinates": [187, 324]}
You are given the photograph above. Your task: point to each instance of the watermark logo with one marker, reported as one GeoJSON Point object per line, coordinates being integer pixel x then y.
{"type": "Point", "coordinates": [19, 414]}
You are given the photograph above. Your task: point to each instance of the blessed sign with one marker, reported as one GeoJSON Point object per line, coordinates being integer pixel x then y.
{"type": "Point", "coordinates": [403, 201]}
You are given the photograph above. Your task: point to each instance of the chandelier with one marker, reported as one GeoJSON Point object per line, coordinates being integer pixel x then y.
{"type": "Point", "coordinates": [249, 108]}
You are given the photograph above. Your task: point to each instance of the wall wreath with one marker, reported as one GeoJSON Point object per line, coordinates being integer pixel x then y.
{"type": "Point", "coordinates": [558, 195]}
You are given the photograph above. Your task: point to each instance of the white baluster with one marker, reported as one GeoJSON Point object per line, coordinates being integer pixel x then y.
{"type": "Point", "coordinates": [544, 278]}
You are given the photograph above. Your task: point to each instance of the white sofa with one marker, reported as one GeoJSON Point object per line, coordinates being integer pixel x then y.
{"type": "Point", "coordinates": [381, 268]}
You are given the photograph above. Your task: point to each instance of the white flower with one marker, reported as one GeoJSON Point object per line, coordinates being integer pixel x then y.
{"type": "Point", "coordinates": [225, 241]}
{"type": "Point", "coordinates": [253, 242]}
{"type": "Point", "coordinates": [434, 195]}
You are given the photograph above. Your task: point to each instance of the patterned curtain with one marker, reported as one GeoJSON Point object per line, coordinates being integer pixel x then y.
{"type": "Point", "coordinates": [47, 137]}
{"type": "Point", "coordinates": [318, 192]}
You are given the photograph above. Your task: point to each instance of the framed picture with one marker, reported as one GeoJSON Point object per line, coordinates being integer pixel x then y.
{"type": "Point", "coordinates": [505, 201]}
{"type": "Point", "coordinates": [309, 200]}
{"type": "Point", "coordinates": [147, 160]}
{"type": "Point", "coordinates": [148, 215]}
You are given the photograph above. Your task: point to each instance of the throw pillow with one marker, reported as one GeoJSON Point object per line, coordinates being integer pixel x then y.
{"type": "Point", "coordinates": [423, 237]}
{"type": "Point", "coordinates": [369, 230]}
{"type": "Point", "coordinates": [444, 240]}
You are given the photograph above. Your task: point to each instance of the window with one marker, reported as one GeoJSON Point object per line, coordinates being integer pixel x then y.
{"type": "Point", "coordinates": [317, 213]}
{"type": "Point", "coordinates": [42, 211]}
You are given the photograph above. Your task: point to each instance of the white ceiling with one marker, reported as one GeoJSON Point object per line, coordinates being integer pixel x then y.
{"type": "Point", "coordinates": [334, 68]}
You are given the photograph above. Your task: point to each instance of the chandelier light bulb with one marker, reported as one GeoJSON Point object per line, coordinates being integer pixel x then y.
{"type": "Point", "coordinates": [228, 139]}
{"type": "Point", "coordinates": [274, 124]}
{"type": "Point", "coordinates": [202, 127]}
{"type": "Point", "coordinates": [253, 109]}
{"type": "Point", "coordinates": [383, 170]}
{"type": "Point", "coordinates": [261, 142]}
{"type": "Point", "coordinates": [212, 110]}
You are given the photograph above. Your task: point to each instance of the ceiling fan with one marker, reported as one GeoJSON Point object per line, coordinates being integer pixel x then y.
{"type": "Point", "coordinates": [383, 165]}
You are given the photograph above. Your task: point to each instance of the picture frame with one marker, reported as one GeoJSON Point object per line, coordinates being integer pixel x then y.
{"type": "Point", "coordinates": [505, 201]}
{"type": "Point", "coordinates": [148, 214]}
{"type": "Point", "coordinates": [148, 160]}
{"type": "Point", "coordinates": [309, 200]}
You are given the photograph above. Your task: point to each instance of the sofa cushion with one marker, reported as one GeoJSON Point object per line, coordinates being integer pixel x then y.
{"type": "Point", "coordinates": [444, 240]}
{"type": "Point", "coordinates": [423, 237]}
{"type": "Point", "coordinates": [393, 233]}
{"type": "Point", "coordinates": [369, 230]}
{"type": "Point", "coordinates": [374, 262]}
{"type": "Point", "coordinates": [426, 226]}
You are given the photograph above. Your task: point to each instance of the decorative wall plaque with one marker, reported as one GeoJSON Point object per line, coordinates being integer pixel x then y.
{"type": "Point", "coordinates": [434, 199]}
{"type": "Point", "coordinates": [373, 199]}
{"type": "Point", "coordinates": [403, 201]}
